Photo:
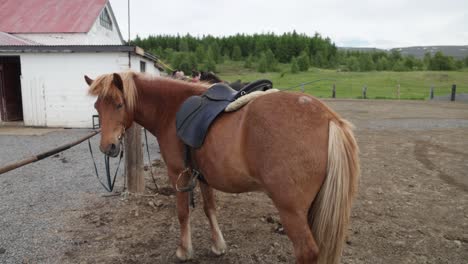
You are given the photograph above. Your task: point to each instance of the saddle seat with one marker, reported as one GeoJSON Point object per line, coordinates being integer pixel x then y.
{"type": "Point", "coordinates": [197, 113]}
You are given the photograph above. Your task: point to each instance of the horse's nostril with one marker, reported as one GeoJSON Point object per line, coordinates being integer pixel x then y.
{"type": "Point", "coordinates": [113, 147]}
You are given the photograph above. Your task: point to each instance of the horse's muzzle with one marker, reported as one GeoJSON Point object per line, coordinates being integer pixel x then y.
{"type": "Point", "coordinates": [112, 150]}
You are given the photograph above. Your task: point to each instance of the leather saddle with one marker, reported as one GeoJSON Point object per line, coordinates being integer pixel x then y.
{"type": "Point", "coordinates": [197, 113]}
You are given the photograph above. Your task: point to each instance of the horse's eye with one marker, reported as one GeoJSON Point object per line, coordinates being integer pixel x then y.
{"type": "Point", "coordinates": [119, 106]}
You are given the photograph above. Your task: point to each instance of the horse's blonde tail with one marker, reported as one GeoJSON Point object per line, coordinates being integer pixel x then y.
{"type": "Point", "coordinates": [330, 212]}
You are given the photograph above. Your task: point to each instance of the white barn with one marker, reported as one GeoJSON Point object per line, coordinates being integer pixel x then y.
{"type": "Point", "coordinates": [45, 51]}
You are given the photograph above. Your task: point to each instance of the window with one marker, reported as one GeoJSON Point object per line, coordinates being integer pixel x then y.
{"type": "Point", "coordinates": [142, 66]}
{"type": "Point", "coordinates": [105, 19]}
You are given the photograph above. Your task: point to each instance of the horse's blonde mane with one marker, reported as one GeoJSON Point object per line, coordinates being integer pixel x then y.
{"type": "Point", "coordinates": [104, 87]}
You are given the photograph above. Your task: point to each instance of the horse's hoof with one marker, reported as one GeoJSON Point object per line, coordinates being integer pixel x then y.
{"type": "Point", "coordinates": [184, 254]}
{"type": "Point", "coordinates": [219, 248]}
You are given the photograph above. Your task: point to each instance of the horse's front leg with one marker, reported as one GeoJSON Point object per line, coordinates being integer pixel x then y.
{"type": "Point", "coordinates": [218, 244]}
{"type": "Point", "coordinates": [184, 251]}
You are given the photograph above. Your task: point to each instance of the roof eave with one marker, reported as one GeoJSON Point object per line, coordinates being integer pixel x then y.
{"type": "Point", "coordinates": [77, 49]}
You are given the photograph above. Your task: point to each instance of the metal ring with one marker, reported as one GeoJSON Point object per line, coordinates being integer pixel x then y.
{"type": "Point", "coordinates": [178, 178]}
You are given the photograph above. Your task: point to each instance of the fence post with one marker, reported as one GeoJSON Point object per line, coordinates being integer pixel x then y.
{"type": "Point", "coordinates": [334, 91]}
{"type": "Point", "coordinates": [398, 91]}
{"type": "Point", "coordinates": [302, 87]}
{"type": "Point", "coordinates": [454, 91]}
{"type": "Point", "coordinates": [431, 96]}
{"type": "Point", "coordinates": [134, 159]}
{"type": "Point", "coordinates": [364, 92]}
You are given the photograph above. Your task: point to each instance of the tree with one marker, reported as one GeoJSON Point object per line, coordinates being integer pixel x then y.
{"type": "Point", "coordinates": [167, 53]}
{"type": "Point", "coordinates": [216, 52]}
{"type": "Point", "coordinates": [262, 63]}
{"type": "Point", "coordinates": [352, 63]}
{"type": "Point", "coordinates": [303, 61]}
{"type": "Point", "coordinates": [270, 60]}
{"type": "Point", "coordinates": [441, 63]}
{"type": "Point", "coordinates": [319, 60]}
{"type": "Point", "coordinates": [181, 61]}
{"type": "Point", "coordinates": [249, 62]}
{"type": "Point", "coordinates": [192, 59]}
{"type": "Point", "coordinates": [427, 60]}
{"type": "Point", "coordinates": [183, 45]}
{"type": "Point", "coordinates": [294, 65]}
{"type": "Point", "coordinates": [399, 65]}
{"type": "Point", "coordinates": [236, 53]}
{"type": "Point", "coordinates": [210, 65]}
{"type": "Point", "coordinates": [382, 64]}
{"type": "Point", "coordinates": [200, 53]}
{"type": "Point", "coordinates": [395, 55]}
{"type": "Point", "coordinates": [365, 62]}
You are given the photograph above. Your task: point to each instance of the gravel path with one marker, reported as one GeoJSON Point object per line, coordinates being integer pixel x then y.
{"type": "Point", "coordinates": [35, 198]}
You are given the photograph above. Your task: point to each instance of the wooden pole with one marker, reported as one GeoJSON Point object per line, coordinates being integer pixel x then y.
{"type": "Point", "coordinates": [334, 91]}
{"type": "Point", "coordinates": [398, 91]}
{"type": "Point", "coordinates": [431, 94]}
{"type": "Point", "coordinates": [454, 91]}
{"type": "Point", "coordinates": [134, 159]}
{"type": "Point", "coordinates": [44, 155]}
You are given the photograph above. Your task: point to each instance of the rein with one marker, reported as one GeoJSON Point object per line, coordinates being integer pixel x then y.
{"type": "Point", "coordinates": [110, 180]}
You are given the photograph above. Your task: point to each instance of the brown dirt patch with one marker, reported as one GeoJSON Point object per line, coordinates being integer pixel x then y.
{"type": "Point", "coordinates": [412, 205]}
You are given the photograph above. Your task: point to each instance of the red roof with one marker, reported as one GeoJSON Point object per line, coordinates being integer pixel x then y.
{"type": "Point", "coordinates": [49, 16]}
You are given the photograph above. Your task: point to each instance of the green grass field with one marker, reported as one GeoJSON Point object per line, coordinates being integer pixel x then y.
{"type": "Point", "coordinates": [380, 85]}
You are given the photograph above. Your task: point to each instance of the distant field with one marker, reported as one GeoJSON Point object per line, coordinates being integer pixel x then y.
{"type": "Point", "coordinates": [380, 85]}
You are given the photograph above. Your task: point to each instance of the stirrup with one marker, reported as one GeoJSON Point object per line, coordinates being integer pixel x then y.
{"type": "Point", "coordinates": [194, 174]}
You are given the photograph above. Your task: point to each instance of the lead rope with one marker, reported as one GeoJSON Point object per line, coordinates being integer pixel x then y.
{"type": "Point", "coordinates": [110, 181]}
{"type": "Point", "coordinates": [150, 166]}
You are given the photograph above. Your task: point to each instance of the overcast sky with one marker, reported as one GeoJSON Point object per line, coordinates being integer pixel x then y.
{"type": "Point", "coordinates": [355, 23]}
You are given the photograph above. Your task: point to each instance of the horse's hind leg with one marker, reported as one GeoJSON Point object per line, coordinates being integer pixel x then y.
{"type": "Point", "coordinates": [218, 244]}
{"type": "Point", "coordinates": [184, 251]}
{"type": "Point", "coordinates": [294, 218]}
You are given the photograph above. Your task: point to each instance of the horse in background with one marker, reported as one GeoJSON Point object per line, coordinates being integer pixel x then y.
{"type": "Point", "coordinates": [210, 77]}
{"type": "Point", "coordinates": [291, 146]}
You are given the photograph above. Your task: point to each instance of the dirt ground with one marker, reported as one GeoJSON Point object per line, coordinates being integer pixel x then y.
{"type": "Point", "coordinates": [412, 205]}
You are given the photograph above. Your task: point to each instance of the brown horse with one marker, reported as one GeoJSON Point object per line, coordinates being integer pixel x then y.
{"type": "Point", "coordinates": [289, 145]}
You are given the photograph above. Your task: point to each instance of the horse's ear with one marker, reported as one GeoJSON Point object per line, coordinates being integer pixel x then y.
{"type": "Point", "coordinates": [118, 81]}
{"type": "Point", "coordinates": [88, 80]}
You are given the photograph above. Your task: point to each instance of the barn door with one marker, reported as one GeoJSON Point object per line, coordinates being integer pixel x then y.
{"type": "Point", "coordinates": [11, 108]}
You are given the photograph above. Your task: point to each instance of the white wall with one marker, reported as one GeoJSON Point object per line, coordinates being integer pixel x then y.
{"type": "Point", "coordinates": [53, 88]}
{"type": "Point", "coordinates": [97, 35]}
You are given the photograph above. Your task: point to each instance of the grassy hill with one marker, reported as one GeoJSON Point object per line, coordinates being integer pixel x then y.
{"type": "Point", "coordinates": [458, 52]}
{"type": "Point", "coordinates": [380, 85]}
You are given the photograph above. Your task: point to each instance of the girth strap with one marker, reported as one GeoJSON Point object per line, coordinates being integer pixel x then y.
{"type": "Point", "coordinates": [191, 165]}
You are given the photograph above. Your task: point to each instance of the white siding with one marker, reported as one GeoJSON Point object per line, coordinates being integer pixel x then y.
{"type": "Point", "coordinates": [97, 35]}
{"type": "Point", "coordinates": [53, 88]}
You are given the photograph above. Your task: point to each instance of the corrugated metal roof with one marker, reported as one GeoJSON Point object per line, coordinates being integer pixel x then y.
{"type": "Point", "coordinates": [10, 40]}
{"type": "Point", "coordinates": [76, 49]}
{"type": "Point", "coordinates": [49, 16]}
